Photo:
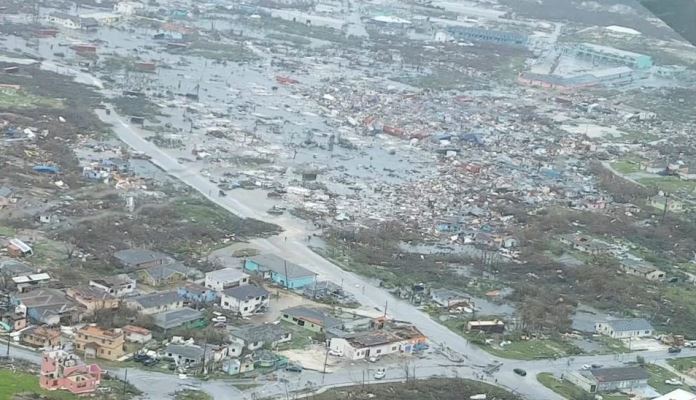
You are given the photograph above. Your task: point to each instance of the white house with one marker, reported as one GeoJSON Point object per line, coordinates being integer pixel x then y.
{"type": "Point", "coordinates": [225, 278]}
{"type": "Point", "coordinates": [244, 300]}
{"type": "Point", "coordinates": [64, 20]}
{"type": "Point", "coordinates": [625, 328]}
{"type": "Point", "coordinates": [136, 334]}
{"type": "Point", "coordinates": [116, 285]}
{"type": "Point", "coordinates": [395, 339]}
{"type": "Point", "coordinates": [128, 8]}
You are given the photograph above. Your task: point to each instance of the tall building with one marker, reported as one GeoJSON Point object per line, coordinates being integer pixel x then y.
{"type": "Point", "coordinates": [93, 341]}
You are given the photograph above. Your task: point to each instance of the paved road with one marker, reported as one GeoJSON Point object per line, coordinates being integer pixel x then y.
{"type": "Point", "coordinates": [292, 245]}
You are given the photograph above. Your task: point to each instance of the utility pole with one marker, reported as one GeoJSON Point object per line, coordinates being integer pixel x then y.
{"type": "Point", "coordinates": [386, 304]}
{"type": "Point", "coordinates": [125, 382]}
{"type": "Point", "coordinates": [285, 264]}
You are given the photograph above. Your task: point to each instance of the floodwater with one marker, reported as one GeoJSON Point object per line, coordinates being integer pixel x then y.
{"type": "Point", "coordinates": [278, 126]}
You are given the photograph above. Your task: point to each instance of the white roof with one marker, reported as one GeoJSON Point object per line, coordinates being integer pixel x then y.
{"type": "Point", "coordinates": [611, 71]}
{"type": "Point", "coordinates": [622, 29]}
{"type": "Point", "coordinates": [611, 50]}
{"type": "Point", "coordinates": [679, 394]}
{"type": "Point", "coordinates": [226, 275]}
{"type": "Point", "coordinates": [31, 278]}
{"type": "Point", "coordinates": [391, 19]}
{"type": "Point", "coordinates": [20, 245]}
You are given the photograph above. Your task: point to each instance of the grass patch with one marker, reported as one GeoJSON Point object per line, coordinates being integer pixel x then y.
{"type": "Point", "coordinates": [188, 394]}
{"type": "Point", "coordinates": [432, 389]}
{"type": "Point", "coordinates": [15, 99]}
{"type": "Point", "coordinates": [625, 167]}
{"type": "Point", "coordinates": [669, 184]}
{"type": "Point", "coordinates": [7, 231]}
{"type": "Point", "coordinates": [658, 376]}
{"type": "Point", "coordinates": [532, 349]}
{"type": "Point", "coordinates": [301, 338]}
{"type": "Point", "coordinates": [562, 387]}
{"type": "Point", "coordinates": [14, 383]}
{"type": "Point", "coordinates": [682, 364]}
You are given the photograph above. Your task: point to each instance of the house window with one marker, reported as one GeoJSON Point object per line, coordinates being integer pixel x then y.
{"type": "Point", "coordinates": [246, 308]}
{"type": "Point", "coordinates": [393, 348]}
{"type": "Point", "coordinates": [378, 351]}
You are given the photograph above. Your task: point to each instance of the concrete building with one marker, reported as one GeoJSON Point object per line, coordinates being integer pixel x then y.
{"type": "Point", "coordinates": [39, 336]}
{"type": "Point", "coordinates": [93, 341]}
{"type": "Point", "coordinates": [393, 338]}
{"type": "Point", "coordinates": [134, 259]}
{"type": "Point", "coordinates": [625, 328]}
{"type": "Point", "coordinates": [63, 371]}
{"type": "Point", "coordinates": [117, 285]}
{"type": "Point", "coordinates": [609, 55]}
{"type": "Point", "coordinates": [313, 319]}
{"type": "Point", "coordinates": [92, 298]}
{"type": "Point", "coordinates": [281, 272]}
{"type": "Point", "coordinates": [156, 302]}
{"type": "Point", "coordinates": [679, 394]}
{"type": "Point", "coordinates": [136, 334]}
{"type": "Point", "coordinates": [225, 278]}
{"type": "Point", "coordinates": [256, 336]}
{"type": "Point", "coordinates": [128, 8]}
{"type": "Point", "coordinates": [599, 380]}
{"type": "Point", "coordinates": [186, 317]}
{"type": "Point", "coordinates": [487, 35]}
{"type": "Point", "coordinates": [65, 20]}
{"type": "Point", "coordinates": [244, 300]}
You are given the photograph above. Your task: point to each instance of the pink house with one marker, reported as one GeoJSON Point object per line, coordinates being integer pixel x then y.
{"type": "Point", "coordinates": [65, 371]}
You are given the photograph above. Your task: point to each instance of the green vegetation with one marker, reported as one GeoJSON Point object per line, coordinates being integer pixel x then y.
{"type": "Point", "coordinates": [682, 364]}
{"type": "Point", "coordinates": [136, 106]}
{"type": "Point", "coordinates": [531, 349]}
{"type": "Point", "coordinates": [218, 51]}
{"type": "Point", "coordinates": [669, 184]}
{"type": "Point", "coordinates": [14, 383]}
{"type": "Point", "coordinates": [301, 337]}
{"type": "Point", "coordinates": [658, 376]}
{"type": "Point", "coordinates": [7, 231]}
{"type": "Point", "coordinates": [188, 394]}
{"type": "Point", "coordinates": [297, 40]}
{"type": "Point", "coordinates": [570, 391]}
{"type": "Point", "coordinates": [431, 389]}
{"type": "Point", "coordinates": [563, 387]}
{"type": "Point", "coordinates": [16, 99]}
{"type": "Point", "coordinates": [625, 167]}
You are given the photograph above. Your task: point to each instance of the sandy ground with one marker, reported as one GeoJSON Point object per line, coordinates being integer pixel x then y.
{"type": "Point", "coordinates": [313, 358]}
{"type": "Point", "coordinates": [645, 344]}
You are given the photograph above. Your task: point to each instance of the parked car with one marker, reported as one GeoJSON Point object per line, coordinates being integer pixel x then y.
{"type": "Point", "coordinates": [337, 353]}
{"type": "Point", "coordinates": [674, 350]}
{"type": "Point", "coordinates": [596, 365]}
{"type": "Point", "coordinates": [140, 357]}
{"type": "Point", "coordinates": [292, 367]}
{"type": "Point", "coordinates": [372, 359]}
{"type": "Point", "coordinates": [380, 373]}
{"type": "Point", "coordinates": [150, 362]}
{"type": "Point", "coordinates": [520, 371]}
{"type": "Point", "coordinates": [586, 367]}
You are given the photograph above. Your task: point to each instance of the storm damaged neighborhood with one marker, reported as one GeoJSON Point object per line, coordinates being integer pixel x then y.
{"type": "Point", "coordinates": [485, 199]}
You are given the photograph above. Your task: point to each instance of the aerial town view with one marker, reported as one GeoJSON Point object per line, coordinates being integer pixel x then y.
{"type": "Point", "coordinates": [347, 199]}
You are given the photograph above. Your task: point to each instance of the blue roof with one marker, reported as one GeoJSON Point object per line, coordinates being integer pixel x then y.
{"type": "Point", "coordinates": [46, 169]}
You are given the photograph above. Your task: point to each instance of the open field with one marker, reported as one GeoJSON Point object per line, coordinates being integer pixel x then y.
{"type": "Point", "coordinates": [10, 99]}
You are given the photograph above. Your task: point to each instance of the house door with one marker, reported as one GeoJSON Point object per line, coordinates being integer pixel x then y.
{"type": "Point", "coordinates": [367, 353]}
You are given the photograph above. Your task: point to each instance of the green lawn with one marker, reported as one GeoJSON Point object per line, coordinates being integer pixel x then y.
{"type": "Point", "coordinates": [625, 167]}
{"type": "Point", "coordinates": [570, 391]}
{"type": "Point", "coordinates": [682, 364]}
{"type": "Point", "coordinates": [7, 231]}
{"type": "Point", "coordinates": [658, 376]}
{"type": "Point", "coordinates": [13, 383]}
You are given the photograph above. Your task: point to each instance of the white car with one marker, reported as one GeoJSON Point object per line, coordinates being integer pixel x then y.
{"type": "Point", "coordinates": [335, 352]}
{"type": "Point", "coordinates": [586, 367]}
{"type": "Point", "coordinates": [372, 359]}
{"type": "Point", "coordinates": [380, 373]}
